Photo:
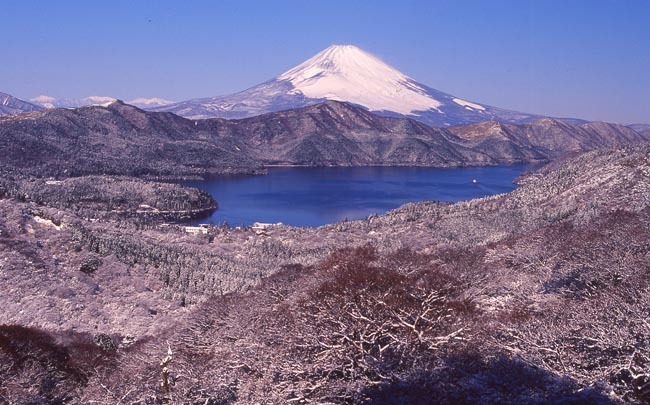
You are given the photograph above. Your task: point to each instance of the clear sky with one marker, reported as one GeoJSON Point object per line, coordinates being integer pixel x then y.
{"type": "Point", "coordinates": [570, 58]}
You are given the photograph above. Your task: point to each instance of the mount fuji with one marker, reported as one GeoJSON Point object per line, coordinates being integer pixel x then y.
{"type": "Point", "coordinates": [347, 73]}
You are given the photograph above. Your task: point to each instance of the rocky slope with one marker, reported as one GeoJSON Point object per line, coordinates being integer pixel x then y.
{"type": "Point", "coordinates": [535, 296]}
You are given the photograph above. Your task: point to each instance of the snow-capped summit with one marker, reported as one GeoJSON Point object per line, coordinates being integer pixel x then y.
{"type": "Point", "coordinates": [51, 102]}
{"type": "Point", "coordinates": [346, 73]}
{"type": "Point", "coordinates": [44, 101]}
{"type": "Point", "coordinates": [149, 102]}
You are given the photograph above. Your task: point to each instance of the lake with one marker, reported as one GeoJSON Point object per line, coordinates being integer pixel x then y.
{"type": "Point", "coordinates": [316, 196]}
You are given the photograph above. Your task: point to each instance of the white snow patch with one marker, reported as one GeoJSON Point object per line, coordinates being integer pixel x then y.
{"type": "Point", "coordinates": [97, 100]}
{"type": "Point", "coordinates": [347, 73]}
{"type": "Point", "coordinates": [467, 104]}
{"type": "Point", "coordinates": [47, 222]}
{"type": "Point", "coordinates": [154, 101]}
{"type": "Point", "coordinates": [45, 101]}
{"type": "Point", "coordinates": [51, 102]}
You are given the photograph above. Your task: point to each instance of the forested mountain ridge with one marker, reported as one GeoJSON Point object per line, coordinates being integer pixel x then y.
{"type": "Point", "coordinates": [123, 140]}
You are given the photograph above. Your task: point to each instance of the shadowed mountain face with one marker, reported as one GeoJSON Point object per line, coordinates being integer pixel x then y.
{"type": "Point", "coordinates": [347, 73]}
{"type": "Point", "coordinates": [12, 105]}
{"type": "Point", "coordinates": [122, 139]}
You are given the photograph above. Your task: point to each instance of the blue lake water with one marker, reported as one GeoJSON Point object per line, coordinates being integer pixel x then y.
{"type": "Point", "coordinates": [317, 196]}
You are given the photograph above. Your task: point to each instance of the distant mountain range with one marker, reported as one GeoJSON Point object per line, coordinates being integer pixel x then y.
{"type": "Point", "coordinates": [13, 105]}
{"type": "Point", "coordinates": [149, 102]}
{"type": "Point", "coordinates": [51, 102]}
{"type": "Point", "coordinates": [341, 107]}
{"type": "Point", "coordinates": [347, 73]}
{"type": "Point", "coordinates": [123, 139]}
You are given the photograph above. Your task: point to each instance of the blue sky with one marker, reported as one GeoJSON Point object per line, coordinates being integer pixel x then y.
{"type": "Point", "coordinates": [587, 59]}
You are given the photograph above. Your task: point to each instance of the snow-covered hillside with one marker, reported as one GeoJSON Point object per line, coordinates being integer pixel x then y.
{"type": "Point", "coordinates": [347, 73]}
{"type": "Point", "coordinates": [13, 105]}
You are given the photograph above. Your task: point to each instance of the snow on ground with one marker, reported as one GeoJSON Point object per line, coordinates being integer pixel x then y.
{"type": "Point", "coordinates": [466, 103]}
{"type": "Point", "coordinates": [45, 101]}
{"type": "Point", "coordinates": [51, 102]}
{"type": "Point", "coordinates": [347, 73]}
{"type": "Point", "coordinates": [47, 222]}
{"type": "Point", "coordinates": [93, 100]}
{"type": "Point", "coordinates": [154, 101]}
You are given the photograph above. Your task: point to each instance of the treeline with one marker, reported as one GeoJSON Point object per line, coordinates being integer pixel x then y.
{"type": "Point", "coordinates": [192, 271]}
{"type": "Point", "coordinates": [189, 272]}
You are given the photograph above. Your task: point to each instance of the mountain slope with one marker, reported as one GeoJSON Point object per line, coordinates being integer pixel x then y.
{"type": "Point", "coordinates": [123, 139]}
{"type": "Point", "coordinates": [545, 138]}
{"type": "Point", "coordinates": [13, 105]}
{"type": "Point", "coordinates": [641, 128]}
{"type": "Point", "coordinates": [347, 73]}
{"type": "Point", "coordinates": [117, 139]}
{"type": "Point", "coordinates": [335, 133]}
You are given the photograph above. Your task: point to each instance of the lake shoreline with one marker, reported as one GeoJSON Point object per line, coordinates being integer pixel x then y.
{"type": "Point", "coordinates": [316, 196]}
